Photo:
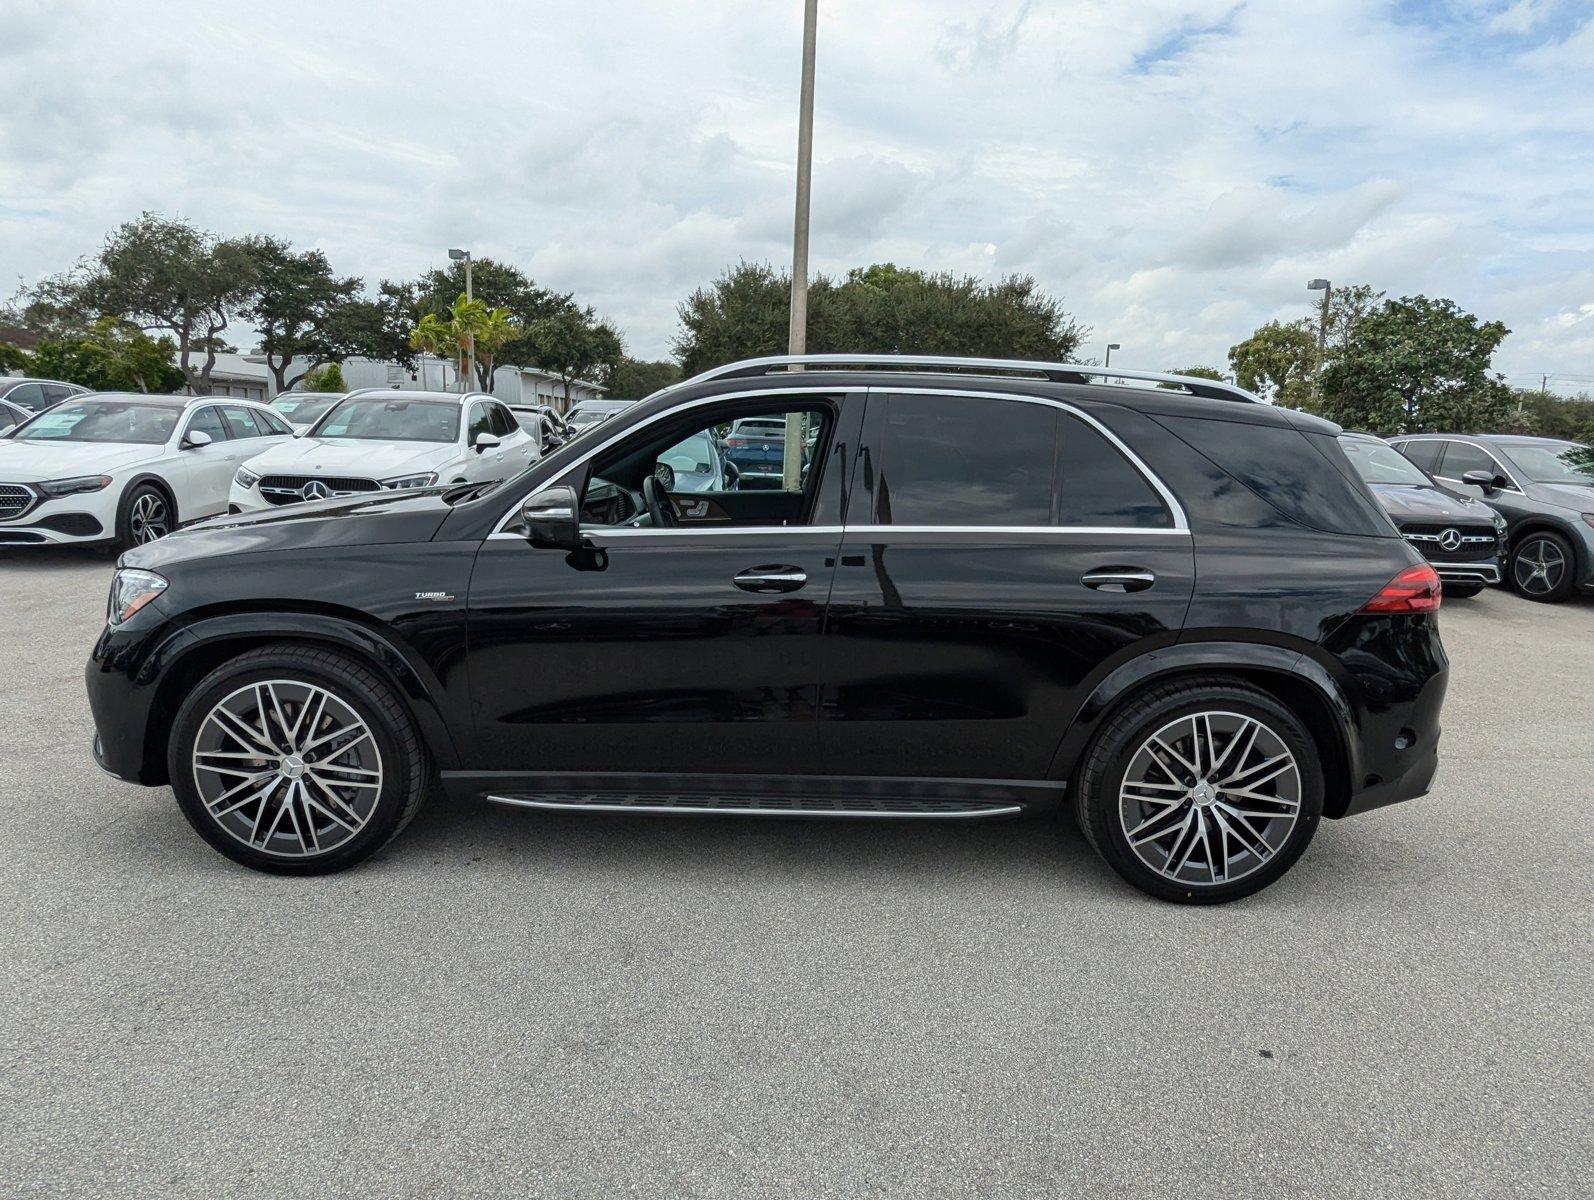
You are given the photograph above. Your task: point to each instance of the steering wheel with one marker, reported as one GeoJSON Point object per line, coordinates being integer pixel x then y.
{"type": "Point", "coordinates": [659, 506]}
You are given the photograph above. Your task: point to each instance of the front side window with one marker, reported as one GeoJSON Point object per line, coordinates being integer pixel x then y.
{"type": "Point", "coordinates": [104, 421]}
{"type": "Point", "coordinates": [27, 395]}
{"type": "Point", "coordinates": [391, 420]}
{"type": "Point", "coordinates": [1552, 462]}
{"type": "Point", "coordinates": [208, 421]}
{"type": "Point", "coordinates": [1462, 457]}
{"type": "Point", "coordinates": [1377, 463]}
{"type": "Point", "coordinates": [502, 423]}
{"type": "Point", "coordinates": [481, 421]}
{"type": "Point", "coordinates": [976, 462]}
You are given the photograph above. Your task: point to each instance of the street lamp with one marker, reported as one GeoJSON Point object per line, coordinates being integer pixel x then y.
{"type": "Point", "coordinates": [1111, 346]}
{"type": "Point", "coordinates": [1321, 285]}
{"type": "Point", "coordinates": [470, 335]}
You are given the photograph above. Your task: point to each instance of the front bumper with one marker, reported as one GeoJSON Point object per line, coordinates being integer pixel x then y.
{"type": "Point", "coordinates": [121, 677]}
{"type": "Point", "coordinates": [1486, 572]}
{"type": "Point", "coordinates": [246, 500]}
{"type": "Point", "coordinates": [80, 518]}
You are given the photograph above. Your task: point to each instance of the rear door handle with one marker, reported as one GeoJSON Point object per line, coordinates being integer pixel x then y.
{"type": "Point", "coordinates": [1118, 579]}
{"type": "Point", "coordinates": [771, 579]}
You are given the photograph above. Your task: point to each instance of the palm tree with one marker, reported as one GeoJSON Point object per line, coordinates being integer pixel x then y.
{"type": "Point", "coordinates": [498, 327]}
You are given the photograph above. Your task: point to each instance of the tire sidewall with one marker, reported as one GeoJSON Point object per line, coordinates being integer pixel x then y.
{"type": "Point", "coordinates": [385, 819]}
{"type": "Point", "coordinates": [124, 513]}
{"type": "Point", "coordinates": [1110, 759]}
{"type": "Point", "coordinates": [1568, 582]}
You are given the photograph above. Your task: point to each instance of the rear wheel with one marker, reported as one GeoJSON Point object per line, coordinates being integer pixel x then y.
{"type": "Point", "coordinates": [296, 761]}
{"type": "Point", "coordinates": [1543, 568]}
{"type": "Point", "coordinates": [1201, 792]}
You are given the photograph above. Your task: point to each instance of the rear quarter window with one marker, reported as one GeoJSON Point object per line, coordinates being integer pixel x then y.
{"type": "Point", "coordinates": [1290, 472]}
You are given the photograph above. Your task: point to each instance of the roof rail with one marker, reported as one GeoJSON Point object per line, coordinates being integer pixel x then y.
{"type": "Point", "coordinates": [1209, 389]}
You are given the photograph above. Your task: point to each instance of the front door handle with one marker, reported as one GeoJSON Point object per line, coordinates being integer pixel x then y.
{"type": "Point", "coordinates": [1118, 579]}
{"type": "Point", "coordinates": [771, 579]}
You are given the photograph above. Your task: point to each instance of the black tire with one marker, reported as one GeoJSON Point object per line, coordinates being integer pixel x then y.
{"type": "Point", "coordinates": [132, 519]}
{"type": "Point", "coordinates": [1462, 591]}
{"type": "Point", "coordinates": [404, 764]}
{"type": "Point", "coordinates": [1114, 747]}
{"type": "Point", "coordinates": [1534, 550]}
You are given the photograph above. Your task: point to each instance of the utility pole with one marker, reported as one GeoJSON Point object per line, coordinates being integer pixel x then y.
{"type": "Point", "coordinates": [797, 339]}
{"type": "Point", "coordinates": [1327, 288]}
{"type": "Point", "coordinates": [469, 381]}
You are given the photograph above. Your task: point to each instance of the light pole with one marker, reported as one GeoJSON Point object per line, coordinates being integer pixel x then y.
{"type": "Point", "coordinates": [797, 335]}
{"type": "Point", "coordinates": [470, 334]}
{"type": "Point", "coordinates": [1324, 286]}
{"type": "Point", "coordinates": [1111, 346]}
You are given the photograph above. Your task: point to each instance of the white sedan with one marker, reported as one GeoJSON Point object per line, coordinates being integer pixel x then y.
{"type": "Point", "coordinates": [378, 439]}
{"type": "Point", "coordinates": [127, 468]}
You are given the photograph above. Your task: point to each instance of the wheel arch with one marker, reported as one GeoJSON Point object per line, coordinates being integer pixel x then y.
{"type": "Point", "coordinates": [221, 639]}
{"type": "Point", "coordinates": [1291, 677]}
{"type": "Point", "coordinates": [1545, 523]}
{"type": "Point", "coordinates": [161, 484]}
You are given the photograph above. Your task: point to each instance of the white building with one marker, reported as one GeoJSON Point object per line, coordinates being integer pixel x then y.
{"type": "Point", "coordinates": [247, 375]}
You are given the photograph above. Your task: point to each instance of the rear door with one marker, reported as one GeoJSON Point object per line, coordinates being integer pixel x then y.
{"type": "Point", "coordinates": [999, 554]}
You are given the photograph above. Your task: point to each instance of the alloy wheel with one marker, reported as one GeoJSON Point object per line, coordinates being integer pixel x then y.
{"type": "Point", "coordinates": [1539, 567]}
{"type": "Point", "coordinates": [287, 768]}
{"type": "Point", "coordinates": [149, 518]}
{"type": "Point", "coordinates": [1210, 798]}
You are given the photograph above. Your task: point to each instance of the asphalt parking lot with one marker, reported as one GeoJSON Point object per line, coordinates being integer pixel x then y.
{"type": "Point", "coordinates": [564, 1006]}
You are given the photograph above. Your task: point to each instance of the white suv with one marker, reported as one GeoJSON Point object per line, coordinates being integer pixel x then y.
{"type": "Point", "coordinates": [385, 438]}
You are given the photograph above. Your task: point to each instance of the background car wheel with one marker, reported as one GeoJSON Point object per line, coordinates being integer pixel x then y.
{"type": "Point", "coordinates": [145, 514]}
{"type": "Point", "coordinates": [1543, 568]}
{"type": "Point", "coordinates": [296, 761]}
{"type": "Point", "coordinates": [1462, 591]}
{"type": "Point", "coordinates": [1201, 792]}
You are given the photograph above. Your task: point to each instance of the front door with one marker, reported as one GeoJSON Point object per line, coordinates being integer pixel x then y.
{"type": "Point", "coordinates": [684, 638]}
{"type": "Point", "coordinates": [1005, 553]}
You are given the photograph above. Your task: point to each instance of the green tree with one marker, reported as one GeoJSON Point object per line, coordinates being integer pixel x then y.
{"type": "Point", "coordinates": [496, 283]}
{"type": "Point", "coordinates": [295, 307]}
{"type": "Point", "coordinates": [326, 378]}
{"type": "Point", "coordinates": [880, 309]}
{"type": "Point", "coordinates": [495, 329]}
{"type": "Point", "coordinates": [574, 344]}
{"type": "Point", "coordinates": [633, 379]}
{"type": "Point", "coordinates": [1193, 373]}
{"type": "Point", "coordinates": [111, 355]}
{"type": "Point", "coordinates": [161, 274]}
{"type": "Point", "coordinates": [1416, 365]}
{"type": "Point", "coordinates": [15, 358]}
{"type": "Point", "coordinates": [1278, 360]}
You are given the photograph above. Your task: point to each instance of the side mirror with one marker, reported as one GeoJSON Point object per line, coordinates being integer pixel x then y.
{"type": "Point", "coordinates": [486, 441]}
{"type": "Point", "coordinates": [300, 430]}
{"type": "Point", "coordinates": [553, 518]}
{"type": "Point", "coordinates": [1487, 480]}
{"type": "Point", "coordinates": [196, 439]}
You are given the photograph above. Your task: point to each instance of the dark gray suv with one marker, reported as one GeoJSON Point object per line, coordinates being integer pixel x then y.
{"type": "Point", "coordinates": [1547, 501]}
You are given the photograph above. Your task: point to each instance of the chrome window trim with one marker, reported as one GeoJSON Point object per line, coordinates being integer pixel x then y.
{"type": "Point", "coordinates": [1513, 486]}
{"type": "Point", "coordinates": [1181, 524]}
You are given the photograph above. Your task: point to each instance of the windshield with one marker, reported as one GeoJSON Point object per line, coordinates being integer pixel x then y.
{"type": "Point", "coordinates": [582, 417]}
{"type": "Point", "coordinates": [303, 412]}
{"type": "Point", "coordinates": [104, 421]}
{"type": "Point", "coordinates": [379, 419]}
{"type": "Point", "coordinates": [1377, 463]}
{"type": "Point", "coordinates": [1553, 462]}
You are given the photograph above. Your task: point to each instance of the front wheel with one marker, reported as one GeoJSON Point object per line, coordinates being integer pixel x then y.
{"type": "Point", "coordinates": [1201, 792]}
{"type": "Point", "coordinates": [1543, 568]}
{"type": "Point", "coordinates": [144, 515]}
{"type": "Point", "coordinates": [296, 761]}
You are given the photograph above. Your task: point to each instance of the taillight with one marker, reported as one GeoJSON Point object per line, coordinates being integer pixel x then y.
{"type": "Point", "coordinates": [1415, 590]}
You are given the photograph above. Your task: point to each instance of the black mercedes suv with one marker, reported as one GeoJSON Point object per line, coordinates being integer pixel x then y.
{"type": "Point", "coordinates": [980, 587]}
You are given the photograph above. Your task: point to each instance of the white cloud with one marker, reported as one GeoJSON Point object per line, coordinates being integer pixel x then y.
{"type": "Point", "coordinates": [1175, 169]}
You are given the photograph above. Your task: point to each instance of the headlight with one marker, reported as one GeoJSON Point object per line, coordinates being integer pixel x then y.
{"type": "Point", "coordinates": [411, 481]}
{"type": "Point", "coordinates": [70, 487]}
{"type": "Point", "coordinates": [131, 590]}
{"type": "Point", "coordinates": [245, 479]}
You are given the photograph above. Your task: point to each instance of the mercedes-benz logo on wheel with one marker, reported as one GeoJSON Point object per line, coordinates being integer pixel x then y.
{"type": "Point", "coordinates": [316, 490]}
{"type": "Point", "coordinates": [1450, 539]}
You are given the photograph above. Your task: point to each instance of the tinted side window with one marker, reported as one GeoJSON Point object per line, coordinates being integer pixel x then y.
{"type": "Point", "coordinates": [1461, 458]}
{"type": "Point", "coordinates": [1424, 454]}
{"type": "Point", "coordinates": [241, 421]}
{"type": "Point", "coordinates": [1097, 486]}
{"type": "Point", "coordinates": [481, 421]}
{"type": "Point", "coordinates": [28, 395]}
{"type": "Point", "coordinates": [1281, 466]}
{"type": "Point", "coordinates": [272, 423]}
{"type": "Point", "coordinates": [208, 420]}
{"type": "Point", "coordinates": [958, 460]}
{"type": "Point", "coordinates": [503, 423]}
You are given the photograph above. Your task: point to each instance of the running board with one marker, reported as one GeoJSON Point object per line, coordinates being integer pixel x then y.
{"type": "Point", "coordinates": [763, 806]}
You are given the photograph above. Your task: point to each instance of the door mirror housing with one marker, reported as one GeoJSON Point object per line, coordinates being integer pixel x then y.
{"type": "Point", "coordinates": [553, 518]}
{"type": "Point", "coordinates": [1487, 480]}
{"type": "Point", "coordinates": [196, 439]}
{"type": "Point", "coordinates": [486, 441]}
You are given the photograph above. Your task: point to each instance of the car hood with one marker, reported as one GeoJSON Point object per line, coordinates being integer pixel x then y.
{"type": "Point", "coordinates": [380, 520]}
{"type": "Point", "coordinates": [1420, 502]}
{"type": "Point", "coordinates": [30, 460]}
{"type": "Point", "coordinates": [352, 457]}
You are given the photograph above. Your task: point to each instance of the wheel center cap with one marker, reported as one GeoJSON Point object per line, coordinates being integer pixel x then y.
{"type": "Point", "coordinates": [1203, 794]}
{"type": "Point", "coordinates": [291, 767]}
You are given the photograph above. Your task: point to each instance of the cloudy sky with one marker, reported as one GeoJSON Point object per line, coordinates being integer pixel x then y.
{"type": "Point", "coordinates": [1174, 171]}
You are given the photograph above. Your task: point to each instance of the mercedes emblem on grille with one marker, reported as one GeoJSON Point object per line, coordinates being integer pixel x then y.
{"type": "Point", "coordinates": [316, 490]}
{"type": "Point", "coordinates": [1450, 539]}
